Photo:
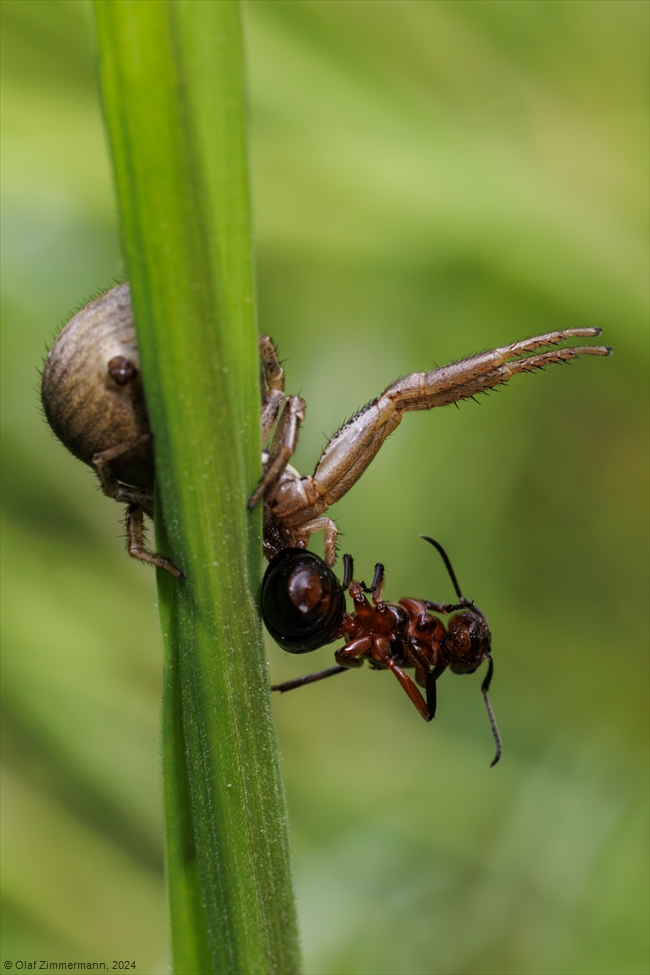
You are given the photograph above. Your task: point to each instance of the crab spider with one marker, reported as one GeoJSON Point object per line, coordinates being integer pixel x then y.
{"type": "Point", "coordinates": [94, 401]}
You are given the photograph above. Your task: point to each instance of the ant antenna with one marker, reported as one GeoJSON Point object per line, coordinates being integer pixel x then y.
{"type": "Point", "coordinates": [448, 566]}
{"type": "Point", "coordinates": [488, 677]}
{"type": "Point", "coordinates": [493, 723]}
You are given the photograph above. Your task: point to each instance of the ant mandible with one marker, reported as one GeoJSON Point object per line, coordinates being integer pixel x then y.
{"type": "Point", "coordinates": [303, 607]}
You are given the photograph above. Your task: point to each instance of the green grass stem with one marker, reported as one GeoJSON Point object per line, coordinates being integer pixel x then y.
{"type": "Point", "coordinates": [173, 88]}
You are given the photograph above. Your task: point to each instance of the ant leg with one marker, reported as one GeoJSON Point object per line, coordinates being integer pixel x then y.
{"type": "Point", "coordinates": [363, 611]}
{"type": "Point", "coordinates": [432, 693]}
{"type": "Point", "coordinates": [378, 578]}
{"type": "Point", "coordinates": [348, 572]}
{"type": "Point", "coordinates": [135, 542]}
{"type": "Point", "coordinates": [416, 656]}
{"type": "Point", "coordinates": [282, 446]}
{"type": "Point", "coordinates": [377, 587]}
{"type": "Point", "coordinates": [493, 724]}
{"type": "Point", "coordinates": [110, 485]}
{"type": "Point", "coordinates": [308, 679]}
{"type": "Point", "coordinates": [347, 656]}
{"type": "Point", "coordinates": [439, 668]}
{"type": "Point", "coordinates": [424, 675]}
{"type": "Point", "coordinates": [411, 689]}
{"type": "Point", "coordinates": [380, 650]}
{"type": "Point", "coordinates": [355, 649]}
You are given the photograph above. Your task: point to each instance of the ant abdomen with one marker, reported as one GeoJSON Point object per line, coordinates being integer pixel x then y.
{"type": "Point", "coordinates": [303, 603]}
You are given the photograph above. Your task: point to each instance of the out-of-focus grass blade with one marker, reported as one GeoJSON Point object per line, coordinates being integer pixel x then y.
{"type": "Point", "coordinates": [172, 82]}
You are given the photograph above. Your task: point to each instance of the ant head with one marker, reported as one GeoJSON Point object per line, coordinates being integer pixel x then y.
{"type": "Point", "coordinates": [302, 601]}
{"type": "Point", "coordinates": [466, 644]}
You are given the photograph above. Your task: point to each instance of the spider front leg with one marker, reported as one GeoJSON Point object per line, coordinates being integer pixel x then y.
{"type": "Point", "coordinates": [352, 449]}
{"type": "Point", "coordinates": [294, 505]}
{"type": "Point", "coordinates": [282, 447]}
{"type": "Point", "coordinates": [286, 433]}
{"type": "Point", "coordinates": [272, 386]}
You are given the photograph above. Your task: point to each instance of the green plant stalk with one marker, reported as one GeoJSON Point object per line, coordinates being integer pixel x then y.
{"type": "Point", "coordinates": [172, 81]}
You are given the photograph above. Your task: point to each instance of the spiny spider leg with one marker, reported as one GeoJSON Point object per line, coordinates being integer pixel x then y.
{"type": "Point", "coordinates": [351, 450]}
{"type": "Point", "coordinates": [286, 435]}
{"type": "Point", "coordinates": [139, 502]}
{"type": "Point", "coordinates": [135, 542]}
{"type": "Point", "coordinates": [272, 371]}
{"type": "Point", "coordinates": [282, 446]}
{"type": "Point", "coordinates": [272, 386]}
{"type": "Point", "coordinates": [325, 525]}
{"type": "Point", "coordinates": [111, 486]}
{"type": "Point", "coordinates": [295, 501]}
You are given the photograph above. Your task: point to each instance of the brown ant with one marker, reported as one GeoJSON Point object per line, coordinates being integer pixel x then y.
{"type": "Point", "coordinates": [303, 607]}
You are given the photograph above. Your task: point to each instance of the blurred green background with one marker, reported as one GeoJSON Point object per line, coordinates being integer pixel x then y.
{"type": "Point", "coordinates": [429, 179]}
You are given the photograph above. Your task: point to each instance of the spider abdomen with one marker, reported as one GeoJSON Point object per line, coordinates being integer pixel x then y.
{"type": "Point", "coordinates": [91, 387]}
